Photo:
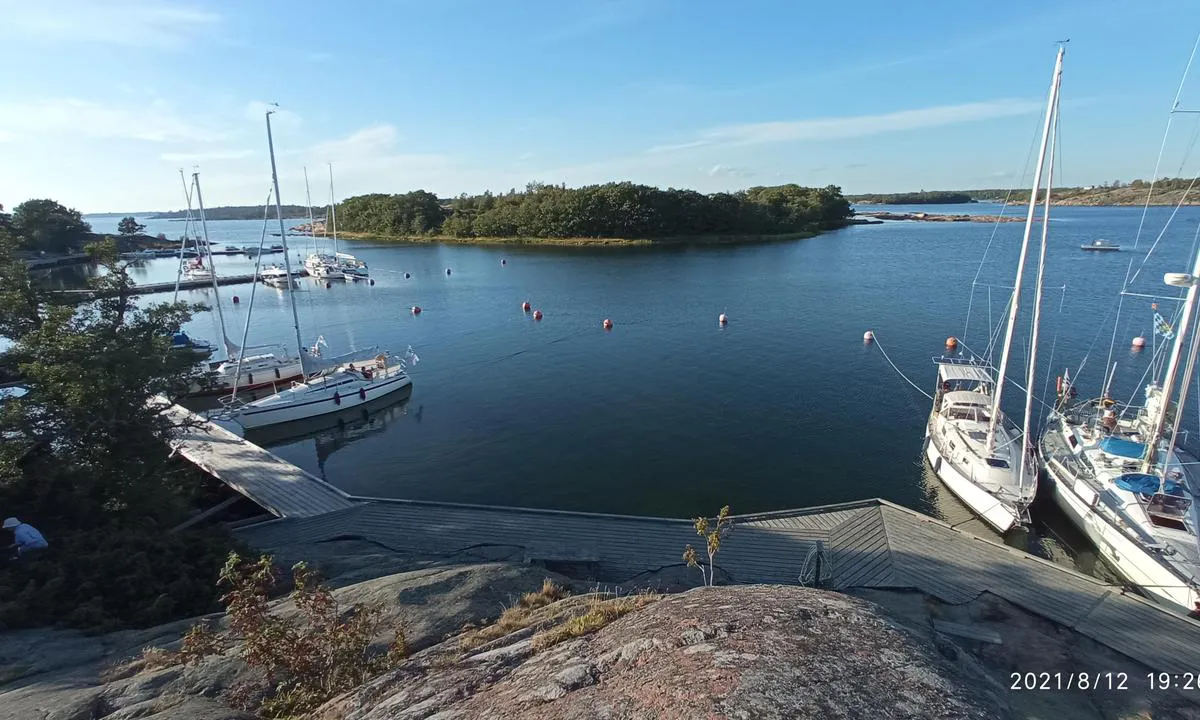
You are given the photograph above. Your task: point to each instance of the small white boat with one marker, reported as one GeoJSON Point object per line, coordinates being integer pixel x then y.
{"type": "Point", "coordinates": [265, 370]}
{"type": "Point", "coordinates": [352, 267]}
{"type": "Point", "coordinates": [346, 386]}
{"type": "Point", "coordinates": [277, 277]}
{"type": "Point", "coordinates": [1100, 246]}
{"type": "Point", "coordinates": [327, 272]}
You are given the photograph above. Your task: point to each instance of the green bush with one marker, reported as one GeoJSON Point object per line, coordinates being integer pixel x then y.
{"type": "Point", "coordinates": [108, 578]}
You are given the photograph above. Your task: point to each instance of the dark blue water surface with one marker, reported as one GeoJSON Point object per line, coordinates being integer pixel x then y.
{"type": "Point", "coordinates": [670, 413]}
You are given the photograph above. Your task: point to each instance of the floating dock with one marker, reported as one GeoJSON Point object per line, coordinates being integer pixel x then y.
{"type": "Point", "coordinates": [865, 544]}
{"type": "Point", "coordinates": [185, 284]}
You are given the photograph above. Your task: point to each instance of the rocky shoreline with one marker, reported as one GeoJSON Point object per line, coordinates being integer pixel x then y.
{"type": "Point", "coordinates": [746, 651]}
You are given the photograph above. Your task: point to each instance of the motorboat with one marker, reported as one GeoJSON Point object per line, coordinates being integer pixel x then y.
{"type": "Point", "coordinates": [1100, 246]}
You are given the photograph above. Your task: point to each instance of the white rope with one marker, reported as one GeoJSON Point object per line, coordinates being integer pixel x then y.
{"type": "Point", "coordinates": [898, 372]}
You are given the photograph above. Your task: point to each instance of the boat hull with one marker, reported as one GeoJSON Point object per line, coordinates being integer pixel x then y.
{"type": "Point", "coordinates": [985, 505]}
{"type": "Point", "coordinates": [1131, 561]}
{"type": "Point", "coordinates": [256, 417]}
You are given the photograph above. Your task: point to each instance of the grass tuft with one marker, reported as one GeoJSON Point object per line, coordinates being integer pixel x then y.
{"type": "Point", "coordinates": [599, 613]}
{"type": "Point", "coordinates": [517, 617]}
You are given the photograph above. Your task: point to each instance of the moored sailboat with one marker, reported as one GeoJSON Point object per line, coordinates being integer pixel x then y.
{"type": "Point", "coordinates": [974, 449]}
{"type": "Point", "coordinates": [333, 384]}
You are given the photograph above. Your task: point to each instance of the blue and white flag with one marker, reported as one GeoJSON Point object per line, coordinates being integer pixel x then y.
{"type": "Point", "coordinates": [1162, 327]}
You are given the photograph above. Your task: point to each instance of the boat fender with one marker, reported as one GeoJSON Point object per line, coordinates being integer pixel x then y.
{"type": "Point", "coordinates": [249, 378]}
{"type": "Point", "coordinates": [362, 393]}
{"type": "Point", "coordinates": [1058, 385]}
{"type": "Point", "coordinates": [337, 399]}
{"type": "Point", "coordinates": [277, 375]}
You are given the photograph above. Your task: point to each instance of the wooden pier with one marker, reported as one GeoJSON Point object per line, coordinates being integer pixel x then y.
{"type": "Point", "coordinates": [865, 544]}
{"type": "Point", "coordinates": [184, 284]}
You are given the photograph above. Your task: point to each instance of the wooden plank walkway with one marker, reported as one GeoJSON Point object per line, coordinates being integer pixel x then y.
{"type": "Point", "coordinates": [954, 566]}
{"type": "Point", "coordinates": [866, 544]}
{"type": "Point", "coordinates": [279, 487]}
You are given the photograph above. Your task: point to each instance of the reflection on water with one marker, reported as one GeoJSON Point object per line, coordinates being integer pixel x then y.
{"type": "Point", "coordinates": [65, 277]}
{"type": "Point", "coordinates": [330, 433]}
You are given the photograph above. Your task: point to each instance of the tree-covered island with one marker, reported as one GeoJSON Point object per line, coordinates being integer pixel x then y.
{"type": "Point", "coordinates": [613, 213]}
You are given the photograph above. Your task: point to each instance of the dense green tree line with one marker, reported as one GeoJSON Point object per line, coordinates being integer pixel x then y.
{"type": "Point", "coordinates": [936, 197]}
{"type": "Point", "coordinates": [239, 212]}
{"type": "Point", "coordinates": [612, 210]}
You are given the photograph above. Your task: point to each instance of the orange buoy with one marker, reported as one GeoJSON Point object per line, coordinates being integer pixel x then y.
{"type": "Point", "coordinates": [1139, 342]}
{"type": "Point", "coordinates": [537, 314]}
{"type": "Point", "coordinates": [951, 342]}
{"type": "Point", "coordinates": [868, 336]}
{"type": "Point", "coordinates": [525, 306]}
{"type": "Point", "coordinates": [416, 309]}
{"type": "Point", "coordinates": [607, 324]}
{"type": "Point", "coordinates": [722, 319]}
{"type": "Point", "coordinates": [236, 299]}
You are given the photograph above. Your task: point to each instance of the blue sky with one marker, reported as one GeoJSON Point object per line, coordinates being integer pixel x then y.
{"type": "Point", "coordinates": [103, 100]}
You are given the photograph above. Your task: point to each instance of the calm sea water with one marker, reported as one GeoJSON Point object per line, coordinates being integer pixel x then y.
{"type": "Point", "coordinates": [670, 413]}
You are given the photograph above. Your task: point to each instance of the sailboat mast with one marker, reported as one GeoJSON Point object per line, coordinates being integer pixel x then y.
{"type": "Point", "coordinates": [1168, 386]}
{"type": "Point", "coordinates": [1016, 297]}
{"type": "Point", "coordinates": [212, 270]}
{"type": "Point", "coordinates": [333, 209]}
{"type": "Point", "coordinates": [1031, 373]}
{"type": "Point", "coordinates": [287, 265]}
{"type": "Point", "coordinates": [312, 235]}
{"type": "Point", "coordinates": [187, 195]}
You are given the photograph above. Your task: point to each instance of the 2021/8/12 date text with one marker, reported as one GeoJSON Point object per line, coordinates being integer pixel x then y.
{"type": "Point", "coordinates": [1032, 681]}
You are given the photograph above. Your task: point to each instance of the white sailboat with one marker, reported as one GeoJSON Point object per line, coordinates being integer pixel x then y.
{"type": "Point", "coordinates": [240, 371]}
{"type": "Point", "coordinates": [319, 264]}
{"type": "Point", "coordinates": [1118, 473]}
{"type": "Point", "coordinates": [333, 384]}
{"type": "Point", "coordinates": [974, 449]}
{"type": "Point", "coordinates": [349, 266]}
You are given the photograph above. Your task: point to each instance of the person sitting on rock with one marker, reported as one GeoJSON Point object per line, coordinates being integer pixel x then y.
{"type": "Point", "coordinates": [25, 536]}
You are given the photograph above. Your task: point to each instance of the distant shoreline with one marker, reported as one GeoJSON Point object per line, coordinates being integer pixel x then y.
{"type": "Point", "coordinates": [584, 242]}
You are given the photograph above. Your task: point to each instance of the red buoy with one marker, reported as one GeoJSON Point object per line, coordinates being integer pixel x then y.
{"type": "Point", "coordinates": [236, 299]}
{"type": "Point", "coordinates": [607, 324]}
{"type": "Point", "coordinates": [525, 306]}
{"type": "Point", "coordinates": [537, 314]}
{"type": "Point", "coordinates": [416, 309]}
{"type": "Point", "coordinates": [407, 276]}
{"type": "Point", "coordinates": [951, 342]}
{"type": "Point", "coordinates": [503, 261]}
{"type": "Point", "coordinates": [328, 285]}
{"type": "Point", "coordinates": [447, 271]}
{"type": "Point", "coordinates": [372, 282]}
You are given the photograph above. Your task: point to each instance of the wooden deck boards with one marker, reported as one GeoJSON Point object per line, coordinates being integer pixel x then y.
{"type": "Point", "coordinates": [281, 488]}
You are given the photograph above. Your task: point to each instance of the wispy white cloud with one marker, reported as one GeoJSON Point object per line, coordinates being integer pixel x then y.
{"type": "Point", "coordinates": [855, 126]}
{"type": "Point", "coordinates": [158, 121]}
{"type": "Point", "coordinates": [211, 156]}
{"type": "Point", "coordinates": [145, 23]}
{"type": "Point", "coordinates": [720, 170]}
{"type": "Point", "coordinates": [672, 147]}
